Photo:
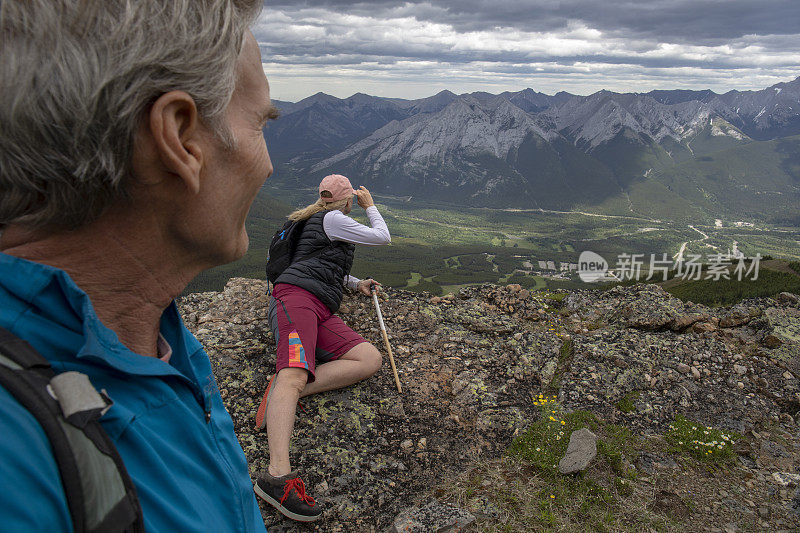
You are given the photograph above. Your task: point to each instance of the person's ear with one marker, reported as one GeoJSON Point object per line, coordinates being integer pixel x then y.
{"type": "Point", "coordinates": [176, 131]}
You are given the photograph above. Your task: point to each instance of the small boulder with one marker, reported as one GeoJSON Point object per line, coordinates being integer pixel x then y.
{"type": "Point", "coordinates": [789, 298]}
{"type": "Point", "coordinates": [734, 319]}
{"type": "Point", "coordinates": [772, 341]}
{"type": "Point", "coordinates": [786, 479]}
{"type": "Point", "coordinates": [682, 322]}
{"type": "Point", "coordinates": [703, 327]}
{"type": "Point", "coordinates": [433, 517]}
{"type": "Point", "coordinates": [581, 450]}
{"type": "Point", "coordinates": [548, 371]}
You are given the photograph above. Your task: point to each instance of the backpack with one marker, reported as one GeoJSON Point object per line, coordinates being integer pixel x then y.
{"type": "Point", "coordinates": [283, 246]}
{"type": "Point", "coordinates": [100, 494]}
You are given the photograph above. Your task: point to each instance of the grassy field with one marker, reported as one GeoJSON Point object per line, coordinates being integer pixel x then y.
{"type": "Point", "coordinates": [439, 248]}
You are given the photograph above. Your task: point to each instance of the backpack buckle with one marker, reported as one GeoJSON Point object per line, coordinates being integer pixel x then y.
{"type": "Point", "coordinates": [79, 400]}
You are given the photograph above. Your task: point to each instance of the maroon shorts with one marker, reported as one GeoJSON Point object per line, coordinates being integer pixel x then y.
{"type": "Point", "coordinates": [306, 331]}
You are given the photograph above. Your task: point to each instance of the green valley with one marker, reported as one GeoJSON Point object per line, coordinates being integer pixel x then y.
{"type": "Point", "coordinates": [439, 248]}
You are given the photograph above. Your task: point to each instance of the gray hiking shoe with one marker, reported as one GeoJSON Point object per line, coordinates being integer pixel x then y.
{"type": "Point", "coordinates": [288, 495]}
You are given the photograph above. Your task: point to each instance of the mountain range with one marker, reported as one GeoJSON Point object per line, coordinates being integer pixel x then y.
{"type": "Point", "coordinates": [668, 154]}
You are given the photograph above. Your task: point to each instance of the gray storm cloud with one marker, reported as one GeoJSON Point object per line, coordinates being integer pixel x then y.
{"type": "Point", "coordinates": [657, 44]}
{"type": "Point", "coordinates": [698, 21]}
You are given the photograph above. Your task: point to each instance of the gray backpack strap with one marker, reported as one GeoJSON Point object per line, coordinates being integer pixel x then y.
{"type": "Point", "coordinates": [79, 400]}
{"type": "Point", "coordinates": [100, 494]}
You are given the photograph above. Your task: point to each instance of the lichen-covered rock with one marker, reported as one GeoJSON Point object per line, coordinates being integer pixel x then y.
{"type": "Point", "coordinates": [432, 518]}
{"type": "Point", "coordinates": [470, 365]}
{"type": "Point", "coordinates": [789, 298]}
{"type": "Point", "coordinates": [783, 324]}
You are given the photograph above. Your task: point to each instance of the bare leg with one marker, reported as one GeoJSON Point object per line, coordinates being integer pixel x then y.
{"type": "Point", "coordinates": [280, 417]}
{"type": "Point", "coordinates": [360, 362]}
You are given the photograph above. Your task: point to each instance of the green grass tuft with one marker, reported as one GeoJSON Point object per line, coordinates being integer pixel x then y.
{"type": "Point", "coordinates": [566, 351]}
{"type": "Point", "coordinates": [611, 446]}
{"type": "Point", "coordinates": [701, 442]}
{"type": "Point", "coordinates": [545, 442]}
{"type": "Point", "coordinates": [626, 403]}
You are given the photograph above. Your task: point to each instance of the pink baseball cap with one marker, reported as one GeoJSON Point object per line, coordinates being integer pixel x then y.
{"type": "Point", "coordinates": [338, 186]}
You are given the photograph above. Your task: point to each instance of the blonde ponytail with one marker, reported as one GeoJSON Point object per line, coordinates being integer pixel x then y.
{"type": "Point", "coordinates": [316, 207]}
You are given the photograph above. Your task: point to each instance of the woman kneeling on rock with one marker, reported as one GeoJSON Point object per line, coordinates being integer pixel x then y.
{"type": "Point", "coordinates": [301, 315]}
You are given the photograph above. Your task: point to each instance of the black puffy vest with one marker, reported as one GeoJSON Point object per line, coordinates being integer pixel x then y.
{"type": "Point", "coordinates": [323, 275]}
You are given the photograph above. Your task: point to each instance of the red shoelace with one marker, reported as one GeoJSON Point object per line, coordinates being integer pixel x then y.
{"type": "Point", "coordinates": [299, 487]}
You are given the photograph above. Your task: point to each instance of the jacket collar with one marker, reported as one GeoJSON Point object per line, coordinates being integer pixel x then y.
{"type": "Point", "coordinates": [51, 294]}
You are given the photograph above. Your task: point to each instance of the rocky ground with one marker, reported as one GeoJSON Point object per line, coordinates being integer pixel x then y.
{"type": "Point", "coordinates": [470, 364]}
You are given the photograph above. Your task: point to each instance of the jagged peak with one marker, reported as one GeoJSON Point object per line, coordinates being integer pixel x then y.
{"type": "Point", "coordinates": [363, 97]}
{"type": "Point", "coordinates": [433, 103]}
{"type": "Point", "coordinates": [318, 98]}
{"type": "Point", "coordinates": [482, 95]}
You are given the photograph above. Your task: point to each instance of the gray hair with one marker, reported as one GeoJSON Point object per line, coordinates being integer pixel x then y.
{"type": "Point", "coordinates": [76, 78]}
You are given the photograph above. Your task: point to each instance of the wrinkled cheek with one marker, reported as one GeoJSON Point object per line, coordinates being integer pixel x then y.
{"type": "Point", "coordinates": [262, 165]}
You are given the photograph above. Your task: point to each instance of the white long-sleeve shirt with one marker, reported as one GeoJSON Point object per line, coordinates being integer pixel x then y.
{"type": "Point", "coordinates": [340, 227]}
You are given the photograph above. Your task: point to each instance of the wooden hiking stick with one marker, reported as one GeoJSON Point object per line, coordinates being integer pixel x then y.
{"type": "Point", "coordinates": [385, 337]}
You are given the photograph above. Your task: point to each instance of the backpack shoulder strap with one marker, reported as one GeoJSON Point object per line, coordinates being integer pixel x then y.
{"type": "Point", "coordinates": [21, 353]}
{"type": "Point", "coordinates": [100, 494]}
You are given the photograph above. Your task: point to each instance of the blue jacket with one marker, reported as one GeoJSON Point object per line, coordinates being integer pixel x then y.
{"type": "Point", "coordinates": [168, 420]}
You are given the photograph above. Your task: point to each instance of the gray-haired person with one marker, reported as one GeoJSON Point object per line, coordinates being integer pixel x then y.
{"type": "Point", "coordinates": [131, 148]}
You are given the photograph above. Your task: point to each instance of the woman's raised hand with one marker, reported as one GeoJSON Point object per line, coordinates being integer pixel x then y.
{"type": "Point", "coordinates": [364, 197]}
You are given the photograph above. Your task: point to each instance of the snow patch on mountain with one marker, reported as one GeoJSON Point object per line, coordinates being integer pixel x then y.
{"type": "Point", "coordinates": [720, 127]}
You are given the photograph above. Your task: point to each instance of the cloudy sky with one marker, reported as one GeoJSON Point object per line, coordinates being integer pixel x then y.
{"type": "Point", "coordinates": [415, 49]}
